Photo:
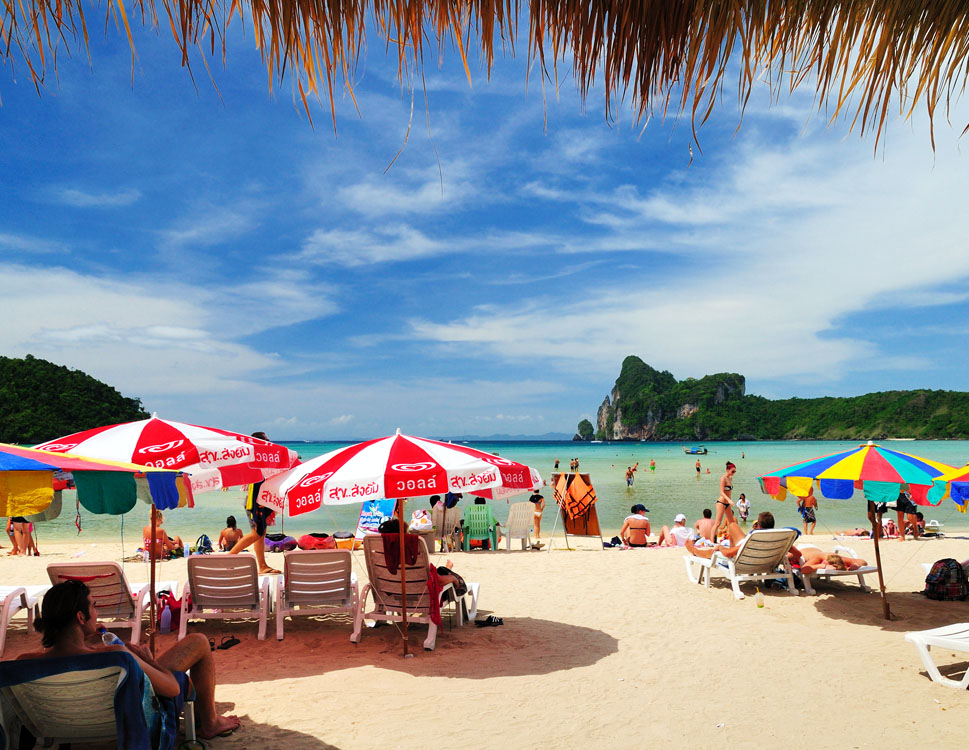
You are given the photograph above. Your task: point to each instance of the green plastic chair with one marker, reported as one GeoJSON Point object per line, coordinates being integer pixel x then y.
{"type": "Point", "coordinates": [480, 523]}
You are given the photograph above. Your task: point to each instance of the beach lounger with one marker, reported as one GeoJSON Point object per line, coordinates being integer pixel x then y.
{"type": "Point", "coordinates": [447, 527]}
{"type": "Point", "coordinates": [949, 637]}
{"type": "Point", "coordinates": [15, 599]}
{"type": "Point", "coordinates": [519, 524]}
{"type": "Point", "coordinates": [225, 587]}
{"type": "Point", "coordinates": [762, 556]}
{"type": "Point", "coordinates": [480, 524]}
{"type": "Point", "coordinates": [116, 599]}
{"type": "Point", "coordinates": [87, 698]}
{"type": "Point", "coordinates": [388, 601]}
{"type": "Point", "coordinates": [827, 575]}
{"type": "Point", "coordinates": [316, 582]}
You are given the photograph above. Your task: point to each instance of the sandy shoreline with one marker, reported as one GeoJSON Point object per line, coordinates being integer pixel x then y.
{"type": "Point", "coordinates": [600, 649]}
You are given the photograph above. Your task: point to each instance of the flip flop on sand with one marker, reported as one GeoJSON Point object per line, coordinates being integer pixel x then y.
{"type": "Point", "coordinates": [269, 572]}
{"type": "Point", "coordinates": [228, 642]}
{"type": "Point", "coordinates": [489, 622]}
{"type": "Point", "coordinates": [211, 644]}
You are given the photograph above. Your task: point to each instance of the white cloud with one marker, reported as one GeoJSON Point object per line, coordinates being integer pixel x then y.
{"type": "Point", "coordinates": [22, 243]}
{"type": "Point", "coordinates": [106, 199]}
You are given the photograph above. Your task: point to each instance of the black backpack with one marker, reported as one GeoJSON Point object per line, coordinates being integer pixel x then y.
{"type": "Point", "coordinates": [946, 581]}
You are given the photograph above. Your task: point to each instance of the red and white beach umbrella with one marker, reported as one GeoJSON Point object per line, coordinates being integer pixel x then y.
{"type": "Point", "coordinates": [392, 467]}
{"type": "Point", "coordinates": [215, 458]}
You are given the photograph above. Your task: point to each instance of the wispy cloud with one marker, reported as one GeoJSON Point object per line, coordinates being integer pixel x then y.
{"type": "Point", "coordinates": [22, 243]}
{"type": "Point", "coordinates": [87, 199]}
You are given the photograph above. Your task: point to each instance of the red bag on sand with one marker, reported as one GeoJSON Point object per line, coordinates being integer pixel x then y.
{"type": "Point", "coordinates": [316, 541]}
{"type": "Point", "coordinates": [174, 604]}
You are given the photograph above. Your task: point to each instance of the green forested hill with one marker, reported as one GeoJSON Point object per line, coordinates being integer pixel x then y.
{"type": "Point", "coordinates": [40, 400]}
{"type": "Point", "coordinates": [646, 404]}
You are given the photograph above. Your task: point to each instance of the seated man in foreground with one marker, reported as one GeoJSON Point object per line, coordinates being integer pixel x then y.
{"type": "Point", "coordinates": [69, 626]}
{"type": "Point", "coordinates": [765, 520]}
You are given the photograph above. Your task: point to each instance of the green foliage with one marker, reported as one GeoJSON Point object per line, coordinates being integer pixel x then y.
{"type": "Point", "coordinates": [40, 401]}
{"type": "Point", "coordinates": [648, 397]}
{"type": "Point", "coordinates": [585, 429]}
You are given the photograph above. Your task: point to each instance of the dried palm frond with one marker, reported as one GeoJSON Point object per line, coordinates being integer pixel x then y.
{"type": "Point", "coordinates": [859, 55]}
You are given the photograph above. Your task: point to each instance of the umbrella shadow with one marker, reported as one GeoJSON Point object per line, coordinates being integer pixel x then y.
{"type": "Point", "coordinates": [317, 645]}
{"type": "Point", "coordinates": [256, 734]}
{"type": "Point", "coordinates": [909, 610]}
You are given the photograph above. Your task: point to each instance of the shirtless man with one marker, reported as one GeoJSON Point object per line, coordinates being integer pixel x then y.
{"type": "Point", "coordinates": [704, 526]}
{"type": "Point", "coordinates": [69, 626]}
{"type": "Point", "coordinates": [808, 506]}
{"type": "Point", "coordinates": [629, 476]}
{"type": "Point", "coordinates": [635, 529]}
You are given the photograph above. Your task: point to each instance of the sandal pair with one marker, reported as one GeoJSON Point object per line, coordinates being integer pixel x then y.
{"type": "Point", "coordinates": [489, 622]}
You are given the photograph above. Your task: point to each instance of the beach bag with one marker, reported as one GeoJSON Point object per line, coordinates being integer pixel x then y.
{"type": "Point", "coordinates": [946, 581]}
{"type": "Point", "coordinates": [317, 541]}
{"type": "Point", "coordinates": [420, 521]}
{"type": "Point", "coordinates": [174, 604]}
{"type": "Point", "coordinates": [203, 545]}
{"type": "Point", "coordinates": [280, 543]}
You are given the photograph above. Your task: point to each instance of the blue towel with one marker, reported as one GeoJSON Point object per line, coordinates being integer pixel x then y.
{"type": "Point", "coordinates": [143, 721]}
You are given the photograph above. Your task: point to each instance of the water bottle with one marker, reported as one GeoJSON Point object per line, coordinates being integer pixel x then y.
{"type": "Point", "coordinates": [166, 620]}
{"type": "Point", "coordinates": [759, 598]}
{"type": "Point", "coordinates": [108, 638]}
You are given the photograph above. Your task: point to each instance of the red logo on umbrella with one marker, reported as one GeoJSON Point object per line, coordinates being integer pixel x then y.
{"type": "Point", "coordinates": [424, 466]}
{"type": "Point", "coordinates": [316, 479]}
{"type": "Point", "coordinates": [57, 447]}
{"type": "Point", "coordinates": [161, 448]}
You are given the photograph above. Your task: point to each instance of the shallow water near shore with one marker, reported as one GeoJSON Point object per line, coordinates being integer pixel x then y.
{"type": "Point", "coordinates": [673, 488]}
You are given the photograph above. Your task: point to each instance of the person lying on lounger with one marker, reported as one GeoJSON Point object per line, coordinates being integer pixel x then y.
{"type": "Point", "coordinates": [69, 626]}
{"type": "Point", "coordinates": [815, 559]}
{"type": "Point", "coordinates": [764, 520]}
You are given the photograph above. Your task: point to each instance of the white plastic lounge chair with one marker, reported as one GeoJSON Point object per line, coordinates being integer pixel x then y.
{"type": "Point", "coordinates": [224, 587]}
{"type": "Point", "coordinates": [316, 582]}
{"type": "Point", "coordinates": [933, 528]}
{"type": "Point", "coordinates": [388, 601]}
{"type": "Point", "coordinates": [519, 524]}
{"type": "Point", "coordinates": [445, 521]}
{"type": "Point", "coordinates": [116, 599]}
{"type": "Point", "coordinates": [950, 637]}
{"type": "Point", "coordinates": [828, 574]}
{"type": "Point", "coordinates": [77, 705]}
{"type": "Point", "coordinates": [15, 599]}
{"type": "Point", "coordinates": [762, 556]}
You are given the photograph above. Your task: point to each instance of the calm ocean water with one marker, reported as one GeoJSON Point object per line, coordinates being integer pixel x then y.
{"type": "Point", "coordinates": [672, 489]}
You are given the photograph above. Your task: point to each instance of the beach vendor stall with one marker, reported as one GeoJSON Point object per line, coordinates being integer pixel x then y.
{"type": "Point", "coordinates": [879, 472]}
{"type": "Point", "coordinates": [396, 467]}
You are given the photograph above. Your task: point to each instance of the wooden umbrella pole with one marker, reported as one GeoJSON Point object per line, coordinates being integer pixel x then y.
{"type": "Point", "coordinates": [151, 582]}
{"type": "Point", "coordinates": [403, 572]}
{"type": "Point", "coordinates": [876, 534]}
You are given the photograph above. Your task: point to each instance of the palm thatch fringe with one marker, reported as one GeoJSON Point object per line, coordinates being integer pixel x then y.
{"type": "Point", "coordinates": [859, 55]}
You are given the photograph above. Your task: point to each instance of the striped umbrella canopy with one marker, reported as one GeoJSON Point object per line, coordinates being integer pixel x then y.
{"type": "Point", "coordinates": [955, 485]}
{"type": "Point", "coordinates": [398, 466]}
{"type": "Point", "coordinates": [215, 458]}
{"type": "Point", "coordinates": [878, 471]}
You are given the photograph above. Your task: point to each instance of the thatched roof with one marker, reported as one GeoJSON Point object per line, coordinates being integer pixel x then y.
{"type": "Point", "coordinates": [865, 58]}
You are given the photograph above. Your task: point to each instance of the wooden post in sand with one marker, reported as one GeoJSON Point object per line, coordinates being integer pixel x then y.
{"type": "Point", "coordinates": [876, 531]}
{"type": "Point", "coordinates": [403, 572]}
{"type": "Point", "coordinates": [151, 579]}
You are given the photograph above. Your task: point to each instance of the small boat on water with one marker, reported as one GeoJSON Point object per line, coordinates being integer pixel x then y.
{"type": "Point", "coordinates": [596, 442]}
{"type": "Point", "coordinates": [696, 450]}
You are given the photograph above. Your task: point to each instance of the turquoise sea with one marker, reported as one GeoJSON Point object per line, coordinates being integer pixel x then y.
{"type": "Point", "coordinates": [672, 489]}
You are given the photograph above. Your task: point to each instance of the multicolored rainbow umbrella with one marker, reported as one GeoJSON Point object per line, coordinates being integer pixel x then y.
{"type": "Point", "coordinates": [953, 484]}
{"type": "Point", "coordinates": [878, 471]}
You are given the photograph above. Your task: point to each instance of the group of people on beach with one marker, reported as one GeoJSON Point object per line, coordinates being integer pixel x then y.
{"type": "Point", "coordinates": [20, 531]}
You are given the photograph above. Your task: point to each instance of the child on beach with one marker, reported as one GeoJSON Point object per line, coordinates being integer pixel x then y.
{"type": "Point", "coordinates": [229, 535]}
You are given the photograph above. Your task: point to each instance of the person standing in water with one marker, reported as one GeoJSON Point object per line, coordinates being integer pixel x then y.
{"type": "Point", "coordinates": [698, 468]}
{"type": "Point", "coordinates": [726, 490]}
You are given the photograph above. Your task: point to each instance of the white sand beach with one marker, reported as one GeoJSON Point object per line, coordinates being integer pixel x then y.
{"type": "Point", "coordinates": [598, 649]}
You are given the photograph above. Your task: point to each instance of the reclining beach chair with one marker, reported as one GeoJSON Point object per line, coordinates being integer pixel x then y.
{"type": "Point", "coordinates": [447, 526]}
{"type": "Point", "coordinates": [827, 575]}
{"type": "Point", "coordinates": [87, 698]}
{"type": "Point", "coordinates": [225, 588]}
{"type": "Point", "coordinates": [316, 582]}
{"type": "Point", "coordinates": [15, 599]}
{"type": "Point", "coordinates": [388, 601]}
{"type": "Point", "coordinates": [480, 524]}
{"type": "Point", "coordinates": [519, 524]}
{"type": "Point", "coordinates": [116, 599]}
{"type": "Point", "coordinates": [762, 556]}
{"type": "Point", "coordinates": [948, 637]}
{"type": "Point", "coordinates": [933, 528]}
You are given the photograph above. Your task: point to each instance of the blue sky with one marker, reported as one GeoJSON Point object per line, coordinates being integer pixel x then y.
{"type": "Point", "coordinates": [211, 253]}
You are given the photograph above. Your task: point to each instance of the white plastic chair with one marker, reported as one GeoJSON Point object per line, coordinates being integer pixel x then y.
{"type": "Point", "coordinates": [116, 599]}
{"type": "Point", "coordinates": [829, 573]}
{"type": "Point", "coordinates": [15, 599]}
{"type": "Point", "coordinates": [762, 556]}
{"type": "Point", "coordinates": [519, 524]}
{"type": "Point", "coordinates": [388, 600]}
{"type": "Point", "coordinates": [949, 637]}
{"type": "Point", "coordinates": [224, 587]}
{"type": "Point", "coordinates": [316, 582]}
{"type": "Point", "coordinates": [933, 528]}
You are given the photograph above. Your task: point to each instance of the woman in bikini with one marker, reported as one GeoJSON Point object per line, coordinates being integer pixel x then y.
{"type": "Point", "coordinates": [635, 529]}
{"type": "Point", "coordinates": [163, 545]}
{"type": "Point", "coordinates": [726, 489]}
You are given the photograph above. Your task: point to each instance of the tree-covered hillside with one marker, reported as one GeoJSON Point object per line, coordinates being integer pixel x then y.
{"type": "Point", "coordinates": [40, 400]}
{"type": "Point", "coordinates": [646, 404]}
